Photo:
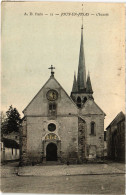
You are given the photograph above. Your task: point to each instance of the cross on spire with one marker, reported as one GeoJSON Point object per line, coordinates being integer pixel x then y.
{"type": "Point", "coordinates": [52, 72]}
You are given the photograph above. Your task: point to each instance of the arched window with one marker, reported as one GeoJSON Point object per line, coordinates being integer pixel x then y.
{"type": "Point", "coordinates": [92, 128]}
{"type": "Point", "coordinates": [79, 102]}
{"type": "Point", "coordinates": [85, 99]}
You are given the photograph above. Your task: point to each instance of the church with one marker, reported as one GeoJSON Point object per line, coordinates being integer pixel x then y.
{"type": "Point", "coordinates": [62, 128]}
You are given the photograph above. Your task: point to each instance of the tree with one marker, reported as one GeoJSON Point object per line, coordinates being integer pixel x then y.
{"type": "Point", "coordinates": [12, 122]}
{"type": "Point", "coordinates": [3, 119]}
{"type": "Point", "coordinates": [3, 116]}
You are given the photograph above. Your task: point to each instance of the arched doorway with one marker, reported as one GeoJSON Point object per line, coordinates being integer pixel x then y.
{"type": "Point", "coordinates": [51, 152]}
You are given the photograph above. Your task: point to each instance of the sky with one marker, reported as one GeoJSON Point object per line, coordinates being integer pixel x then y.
{"type": "Point", "coordinates": [32, 41]}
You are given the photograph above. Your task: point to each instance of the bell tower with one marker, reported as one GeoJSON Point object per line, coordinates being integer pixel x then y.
{"type": "Point", "coordinates": [82, 88]}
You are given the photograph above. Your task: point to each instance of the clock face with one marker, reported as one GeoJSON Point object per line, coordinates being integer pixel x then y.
{"type": "Point", "coordinates": [52, 95]}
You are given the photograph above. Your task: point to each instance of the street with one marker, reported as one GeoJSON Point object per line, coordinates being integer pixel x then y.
{"type": "Point", "coordinates": [74, 184]}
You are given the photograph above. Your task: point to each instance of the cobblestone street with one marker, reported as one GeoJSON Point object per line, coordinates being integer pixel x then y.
{"type": "Point", "coordinates": [67, 184]}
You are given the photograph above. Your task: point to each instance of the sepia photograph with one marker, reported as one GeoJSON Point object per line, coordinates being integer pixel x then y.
{"type": "Point", "coordinates": [63, 98]}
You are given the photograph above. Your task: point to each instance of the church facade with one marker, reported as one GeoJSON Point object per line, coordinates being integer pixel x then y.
{"type": "Point", "coordinates": [63, 128]}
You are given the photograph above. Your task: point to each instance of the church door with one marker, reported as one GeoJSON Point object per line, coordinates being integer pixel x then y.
{"type": "Point", "coordinates": [51, 152]}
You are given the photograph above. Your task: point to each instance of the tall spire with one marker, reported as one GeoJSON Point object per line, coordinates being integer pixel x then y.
{"type": "Point", "coordinates": [89, 87]}
{"type": "Point", "coordinates": [74, 88]}
{"type": "Point", "coordinates": [81, 78]}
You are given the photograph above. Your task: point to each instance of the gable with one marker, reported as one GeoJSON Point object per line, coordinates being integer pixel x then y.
{"type": "Point", "coordinates": [39, 104]}
{"type": "Point", "coordinates": [90, 107]}
{"type": "Point", "coordinates": [117, 119]}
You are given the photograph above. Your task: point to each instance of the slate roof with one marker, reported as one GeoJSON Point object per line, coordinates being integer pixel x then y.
{"type": "Point", "coordinates": [81, 78]}
{"type": "Point", "coordinates": [75, 87]}
{"type": "Point", "coordinates": [117, 119]}
{"type": "Point", "coordinates": [89, 87]}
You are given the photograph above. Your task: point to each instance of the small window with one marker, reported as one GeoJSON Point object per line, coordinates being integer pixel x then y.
{"type": "Point", "coordinates": [122, 126]}
{"type": "Point", "coordinates": [92, 128]}
{"type": "Point", "coordinates": [119, 127]}
{"type": "Point", "coordinates": [52, 108]}
{"type": "Point", "coordinates": [104, 135]}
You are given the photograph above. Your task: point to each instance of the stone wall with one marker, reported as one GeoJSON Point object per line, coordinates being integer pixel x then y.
{"type": "Point", "coordinates": [34, 135]}
{"type": "Point", "coordinates": [23, 143]}
{"type": "Point", "coordinates": [116, 141]}
{"type": "Point", "coordinates": [76, 142]}
{"type": "Point", "coordinates": [81, 140]}
{"type": "Point", "coordinates": [94, 143]}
